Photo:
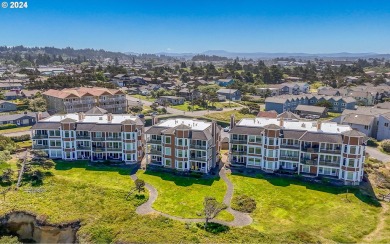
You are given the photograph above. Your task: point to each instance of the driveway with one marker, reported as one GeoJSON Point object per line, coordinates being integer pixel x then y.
{"type": "Point", "coordinates": [20, 133]}
{"type": "Point", "coordinates": [375, 153]}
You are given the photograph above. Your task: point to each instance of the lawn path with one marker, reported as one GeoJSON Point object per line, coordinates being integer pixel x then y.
{"type": "Point", "coordinates": [240, 219]}
{"type": "Point", "coordinates": [381, 224]}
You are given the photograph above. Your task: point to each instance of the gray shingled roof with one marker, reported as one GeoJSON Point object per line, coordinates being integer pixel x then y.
{"type": "Point", "coordinates": [314, 109]}
{"type": "Point", "coordinates": [107, 127]}
{"type": "Point", "coordinates": [46, 126]}
{"type": "Point", "coordinates": [359, 119]}
{"type": "Point", "coordinates": [242, 130]}
{"type": "Point", "coordinates": [322, 137]}
{"type": "Point", "coordinates": [96, 111]}
{"type": "Point", "coordinates": [293, 134]}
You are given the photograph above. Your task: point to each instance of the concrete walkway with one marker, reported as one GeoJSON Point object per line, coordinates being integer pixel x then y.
{"type": "Point", "coordinates": [376, 153]}
{"type": "Point", "coordinates": [240, 219]}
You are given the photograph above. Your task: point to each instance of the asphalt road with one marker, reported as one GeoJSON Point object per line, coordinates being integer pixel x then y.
{"type": "Point", "coordinates": [375, 153]}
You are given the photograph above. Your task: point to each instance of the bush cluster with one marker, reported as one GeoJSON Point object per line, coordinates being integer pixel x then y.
{"type": "Point", "coordinates": [21, 138]}
{"type": "Point", "coordinates": [7, 126]}
{"type": "Point", "coordinates": [386, 145]}
{"type": "Point", "coordinates": [243, 203]}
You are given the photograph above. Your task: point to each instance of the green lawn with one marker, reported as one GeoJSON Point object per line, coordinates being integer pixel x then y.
{"type": "Point", "coordinates": [25, 144]}
{"type": "Point", "coordinates": [96, 196]}
{"type": "Point", "coordinates": [184, 107]}
{"type": "Point", "coordinates": [183, 196]}
{"type": "Point", "coordinates": [146, 98]}
{"type": "Point", "coordinates": [17, 129]}
{"type": "Point", "coordinates": [225, 116]}
{"type": "Point", "coordinates": [307, 212]}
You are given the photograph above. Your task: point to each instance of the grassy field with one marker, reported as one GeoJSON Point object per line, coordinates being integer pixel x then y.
{"type": "Point", "coordinates": [225, 116]}
{"type": "Point", "coordinates": [309, 212]}
{"type": "Point", "coordinates": [146, 98]}
{"type": "Point", "coordinates": [17, 129]}
{"type": "Point", "coordinates": [183, 196]}
{"type": "Point", "coordinates": [184, 107]}
{"type": "Point", "coordinates": [25, 144]}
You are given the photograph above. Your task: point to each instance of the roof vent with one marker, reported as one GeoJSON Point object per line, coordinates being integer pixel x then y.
{"type": "Point", "coordinates": [100, 118]}
{"type": "Point", "coordinates": [303, 125]}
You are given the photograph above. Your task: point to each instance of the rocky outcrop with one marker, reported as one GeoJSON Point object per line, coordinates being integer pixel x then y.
{"type": "Point", "coordinates": [28, 227]}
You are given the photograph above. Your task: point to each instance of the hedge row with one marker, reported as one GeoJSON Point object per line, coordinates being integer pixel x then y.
{"type": "Point", "coordinates": [21, 138]}
{"type": "Point", "coordinates": [7, 126]}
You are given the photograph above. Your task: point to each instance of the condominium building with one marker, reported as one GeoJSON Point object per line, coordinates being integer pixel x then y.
{"type": "Point", "coordinates": [183, 144]}
{"type": "Point", "coordinates": [82, 99]}
{"type": "Point", "coordinates": [93, 136]}
{"type": "Point", "coordinates": [304, 147]}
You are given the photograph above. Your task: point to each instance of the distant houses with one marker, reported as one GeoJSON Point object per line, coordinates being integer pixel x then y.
{"type": "Point", "coordinates": [224, 82]}
{"type": "Point", "coordinates": [290, 102]}
{"type": "Point", "coordinates": [7, 106]}
{"type": "Point", "coordinates": [230, 94]}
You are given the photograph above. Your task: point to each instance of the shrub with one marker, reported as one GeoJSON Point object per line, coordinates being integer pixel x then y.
{"type": "Point", "coordinates": [7, 126]}
{"type": "Point", "coordinates": [245, 111]}
{"type": "Point", "coordinates": [243, 203]}
{"type": "Point", "coordinates": [371, 142]}
{"type": "Point", "coordinates": [386, 145]}
{"type": "Point", "coordinates": [21, 138]}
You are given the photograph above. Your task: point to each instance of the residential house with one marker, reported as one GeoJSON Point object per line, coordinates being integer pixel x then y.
{"type": "Point", "coordinates": [289, 102]}
{"type": "Point", "coordinates": [97, 137]}
{"type": "Point", "coordinates": [267, 91]}
{"type": "Point", "coordinates": [189, 94]}
{"type": "Point", "coordinates": [307, 148]}
{"type": "Point", "coordinates": [294, 88]}
{"type": "Point", "coordinates": [364, 98]}
{"type": "Point", "coordinates": [184, 144]}
{"type": "Point", "coordinates": [12, 95]}
{"type": "Point", "coordinates": [224, 82]}
{"type": "Point", "coordinates": [4, 85]}
{"type": "Point", "coordinates": [84, 98]}
{"type": "Point", "coordinates": [306, 111]}
{"type": "Point", "coordinates": [7, 106]}
{"type": "Point", "coordinates": [230, 94]}
{"type": "Point", "coordinates": [383, 126]}
{"type": "Point", "coordinates": [23, 119]}
{"type": "Point", "coordinates": [164, 100]}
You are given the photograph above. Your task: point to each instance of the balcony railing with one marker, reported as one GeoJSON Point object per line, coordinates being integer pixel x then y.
{"type": "Point", "coordinates": [154, 141]}
{"type": "Point", "coordinates": [98, 149]}
{"type": "Point", "coordinates": [198, 158]}
{"type": "Point", "coordinates": [234, 152]}
{"type": "Point", "coordinates": [83, 147]}
{"type": "Point", "coordinates": [40, 136]}
{"type": "Point", "coordinates": [309, 161]}
{"type": "Point", "coordinates": [195, 146]}
{"type": "Point", "coordinates": [98, 138]}
{"type": "Point", "coordinates": [113, 138]}
{"type": "Point", "coordinates": [330, 151]}
{"type": "Point", "coordinates": [291, 146]}
{"type": "Point", "coordinates": [83, 137]}
{"type": "Point", "coordinates": [236, 141]}
{"type": "Point", "coordinates": [115, 149]}
{"type": "Point", "coordinates": [290, 158]}
{"type": "Point", "coordinates": [155, 152]}
{"type": "Point", "coordinates": [329, 163]}
{"type": "Point", "coordinates": [40, 146]}
{"type": "Point", "coordinates": [310, 149]}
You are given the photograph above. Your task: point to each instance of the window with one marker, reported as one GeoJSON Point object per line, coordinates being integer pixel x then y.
{"type": "Point", "coordinates": [336, 103]}
{"type": "Point", "coordinates": [181, 153]}
{"type": "Point", "coordinates": [168, 162]}
{"type": "Point", "coordinates": [350, 175]}
{"type": "Point", "coordinates": [167, 151]}
{"type": "Point", "coordinates": [343, 104]}
{"type": "Point", "coordinates": [351, 162]}
{"type": "Point", "coordinates": [254, 150]}
{"type": "Point", "coordinates": [387, 124]}
{"type": "Point", "coordinates": [366, 127]}
{"type": "Point", "coordinates": [271, 153]}
{"type": "Point", "coordinates": [168, 140]}
{"type": "Point", "coordinates": [353, 150]}
{"type": "Point", "coordinates": [305, 168]}
{"type": "Point", "coordinates": [182, 142]}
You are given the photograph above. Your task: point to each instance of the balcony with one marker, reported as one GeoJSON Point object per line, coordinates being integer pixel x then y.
{"type": "Point", "coordinates": [155, 152]}
{"type": "Point", "coordinates": [98, 149]}
{"type": "Point", "coordinates": [83, 137]}
{"type": "Point", "coordinates": [113, 138]}
{"type": "Point", "coordinates": [290, 146]}
{"type": "Point", "coordinates": [40, 136]}
{"type": "Point", "coordinates": [236, 141]}
{"type": "Point", "coordinates": [330, 151]}
{"type": "Point", "coordinates": [329, 163]}
{"type": "Point", "coordinates": [310, 149]}
{"type": "Point", "coordinates": [153, 141]}
{"type": "Point", "coordinates": [98, 138]}
{"type": "Point", "coordinates": [289, 158]}
{"type": "Point", "coordinates": [81, 147]}
{"type": "Point", "coordinates": [235, 152]}
{"type": "Point", "coordinates": [114, 149]}
{"type": "Point", "coordinates": [36, 146]}
{"type": "Point", "coordinates": [195, 146]}
{"type": "Point", "coordinates": [308, 161]}
{"type": "Point", "coordinates": [197, 158]}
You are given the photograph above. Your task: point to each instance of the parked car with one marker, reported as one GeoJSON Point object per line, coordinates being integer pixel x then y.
{"type": "Point", "coordinates": [141, 116]}
{"type": "Point", "coordinates": [218, 109]}
{"type": "Point", "coordinates": [226, 129]}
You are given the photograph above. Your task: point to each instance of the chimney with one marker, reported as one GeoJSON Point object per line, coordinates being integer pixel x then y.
{"type": "Point", "coordinates": [81, 116]}
{"type": "Point", "coordinates": [319, 123]}
{"type": "Point", "coordinates": [281, 122]}
{"type": "Point", "coordinates": [154, 120]}
{"type": "Point", "coordinates": [214, 148]}
{"type": "Point", "coordinates": [39, 116]}
{"type": "Point", "coordinates": [109, 117]}
{"type": "Point", "coordinates": [232, 121]}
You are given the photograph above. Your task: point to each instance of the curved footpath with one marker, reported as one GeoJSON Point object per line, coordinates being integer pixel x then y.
{"type": "Point", "coordinates": [240, 219]}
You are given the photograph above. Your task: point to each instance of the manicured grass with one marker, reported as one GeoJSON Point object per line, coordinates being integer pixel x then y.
{"type": "Point", "coordinates": [17, 129]}
{"type": "Point", "coordinates": [331, 116]}
{"type": "Point", "coordinates": [307, 211]}
{"type": "Point", "coordinates": [225, 116]}
{"type": "Point", "coordinates": [184, 107]}
{"type": "Point", "coordinates": [183, 196]}
{"type": "Point", "coordinates": [146, 98]}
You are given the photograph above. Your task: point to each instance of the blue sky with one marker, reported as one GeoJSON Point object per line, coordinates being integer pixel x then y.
{"type": "Point", "coordinates": [316, 26]}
